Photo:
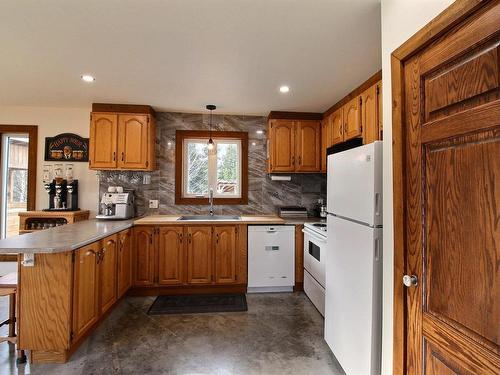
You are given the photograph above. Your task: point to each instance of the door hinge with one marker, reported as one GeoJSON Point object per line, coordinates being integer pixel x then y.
{"type": "Point", "coordinates": [377, 89]}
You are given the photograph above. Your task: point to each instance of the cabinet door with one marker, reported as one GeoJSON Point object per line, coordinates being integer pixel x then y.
{"type": "Point", "coordinates": [307, 150]}
{"type": "Point", "coordinates": [108, 272]}
{"type": "Point", "coordinates": [369, 114]}
{"type": "Point", "coordinates": [144, 252]}
{"type": "Point", "coordinates": [326, 136]}
{"type": "Point", "coordinates": [199, 255]}
{"type": "Point", "coordinates": [352, 119]}
{"type": "Point", "coordinates": [133, 141]}
{"type": "Point", "coordinates": [171, 257]}
{"type": "Point", "coordinates": [338, 126]}
{"type": "Point", "coordinates": [379, 114]}
{"type": "Point", "coordinates": [103, 140]}
{"type": "Point", "coordinates": [225, 254]}
{"type": "Point", "coordinates": [281, 146]}
{"type": "Point", "coordinates": [85, 293]}
{"type": "Point", "coordinates": [124, 262]}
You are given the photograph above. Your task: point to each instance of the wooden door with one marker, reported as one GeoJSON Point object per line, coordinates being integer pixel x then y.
{"type": "Point", "coordinates": [352, 119]}
{"type": "Point", "coordinates": [338, 126]}
{"type": "Point", "coordinates": [451, 130]}
{"type": "Point", "coordinates": [307, 146]}
{"type": "Point", "coordinates": [103, 140]}
{"type": "Point", "coordinates": [225, 254]}
{"type": "Point", "coordinates": [85, 289]}
{"type": "Point", "coordinates": [281, 146]}
{"type": "Point", "coordinates": [380, 112]}
{"type": "Point", "coordinates": [133, 141]}
{"type": "Point", "coordinates": [326, 139]}
{"type": "Point", "coordinates": [369, 117]}
{"type": "Point", "coordinates": [144, 255]}
{"type": "Point", "coordinates": [171, 256]}
{"type": "Point", "coordinates": [107, 273]}
{"type": "Point", "coordinates": [199, 255]}
{"type": "Point", "coordinates": [124, 262]}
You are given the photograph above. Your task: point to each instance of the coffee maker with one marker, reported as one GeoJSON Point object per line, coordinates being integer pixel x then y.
{"type": "Point", "coordinates": [63, 195]}
{"type": "Point", "coordinates": [117, 206]}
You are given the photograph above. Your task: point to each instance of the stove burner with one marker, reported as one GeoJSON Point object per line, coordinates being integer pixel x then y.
{"type": "Point", "coordinates": [320, 225]}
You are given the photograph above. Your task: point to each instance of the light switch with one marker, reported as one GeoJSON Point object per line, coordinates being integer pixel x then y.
{"type": "Point", "coordinates": [153, 203]}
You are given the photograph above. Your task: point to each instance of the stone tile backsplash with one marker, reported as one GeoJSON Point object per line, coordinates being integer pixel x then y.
{"type": "Point", "coordinates": [264, 195]}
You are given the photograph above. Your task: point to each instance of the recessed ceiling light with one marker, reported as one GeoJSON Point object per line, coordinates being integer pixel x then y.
{"type": "Point", "coordinates": [284, 89]}
{"type": "Point", "coordinates": [87, 78]}
{"type": "Point", "coordinates": [260, 131]}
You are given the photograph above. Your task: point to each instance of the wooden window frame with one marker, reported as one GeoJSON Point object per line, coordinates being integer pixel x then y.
{"type": "Point", "coordinates": [180, 136]}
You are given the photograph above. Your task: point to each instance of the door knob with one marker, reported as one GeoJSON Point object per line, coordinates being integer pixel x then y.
{"type": "Point", "coordinates": [410, 280]}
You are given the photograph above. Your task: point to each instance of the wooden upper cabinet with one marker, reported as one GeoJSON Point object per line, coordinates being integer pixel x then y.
{"type": "Point", "coordinates": [225, 254]}
{"type": "Point", "coordinates": [124, 262]}
{"type": "Point", "coordinates": [380, 116]}
{"type": "Point", "coordinates": [326, 134]}
{"type": "Point", "coordinates": [281, 146]}
{"type": "Point", "coordinates": [122, 141]}
{"type": "Point", "coordinates": [352, 119]}
{"type": "Point", "coordinates": [199, 255]}
{"type": "Point", "coordinates": [144, 253]}
{"type": "Point", "coordinates": [171, 256]}
{"type": "Point", "coordinates": [107, 273]}
{"type": "Point", "coordinates": [133, 141]}
{"type": "Point", "coordinates": [86, 291]}
{"type": "Point", "coordinates": [103, 140]}
{"type": "Point", "coordinates": [307, 146]}
{"type": "Point", "coordinates": [337, 120]}
{"type": "Point", "coordinates": [369, 114]}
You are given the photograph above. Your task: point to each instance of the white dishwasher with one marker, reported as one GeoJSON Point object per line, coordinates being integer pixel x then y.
{"type": "Point", "coordinates": [271, 258]}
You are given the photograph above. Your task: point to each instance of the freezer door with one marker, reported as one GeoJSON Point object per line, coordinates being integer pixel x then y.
{"type": "Point", "coordinates": [353, 302]}
{"type": "Point", "coordinates": [354, 183]}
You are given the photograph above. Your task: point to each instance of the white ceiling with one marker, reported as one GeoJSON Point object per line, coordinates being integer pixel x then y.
{"type": "Point", "coordinates": [182, 54]}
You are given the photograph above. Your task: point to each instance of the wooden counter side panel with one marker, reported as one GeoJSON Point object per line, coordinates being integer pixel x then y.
{"type": "Point", "coordinates": [45, 302]}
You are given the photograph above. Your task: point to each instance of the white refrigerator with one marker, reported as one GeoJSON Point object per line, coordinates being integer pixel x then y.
{"type": "Point", "coordinates": [353, 300]}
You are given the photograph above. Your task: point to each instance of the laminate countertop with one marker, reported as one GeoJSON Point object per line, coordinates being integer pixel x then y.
{"type": "Point", "coordinates": [64, 238]}
{"type": "Point", "coordinates": [174, 220]}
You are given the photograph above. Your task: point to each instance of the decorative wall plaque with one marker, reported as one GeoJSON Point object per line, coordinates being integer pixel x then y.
{"type": "Point", "coordinates": [67, 147]}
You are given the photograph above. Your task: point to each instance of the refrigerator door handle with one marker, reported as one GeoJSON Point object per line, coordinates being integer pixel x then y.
{"type": "Point", "coordinates": [376, 250]}
{"type": "Point", "coordinates": [377, 204]}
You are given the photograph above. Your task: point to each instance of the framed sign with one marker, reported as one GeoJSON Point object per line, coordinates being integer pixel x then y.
{"type": "Point", "coordinates": [66, 147]}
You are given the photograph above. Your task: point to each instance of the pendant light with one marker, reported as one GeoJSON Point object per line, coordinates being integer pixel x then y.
{"type": "Point", "coordinates": [210, 145]}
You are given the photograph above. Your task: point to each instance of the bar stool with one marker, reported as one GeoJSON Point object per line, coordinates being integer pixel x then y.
{"type": "Point", "coordinates": [8, 287]}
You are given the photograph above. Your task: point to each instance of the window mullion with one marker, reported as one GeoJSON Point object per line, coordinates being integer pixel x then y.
{"type": "Point", "coordinates": [212, 169]}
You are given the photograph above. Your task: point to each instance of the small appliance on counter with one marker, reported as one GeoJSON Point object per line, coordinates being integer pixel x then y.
{"type": "Point", "coordinates": [117, 204]}
{"type": "Point", "coordinates": [63, 195]}
{"type": "Point", "coordinates": [292, 212]}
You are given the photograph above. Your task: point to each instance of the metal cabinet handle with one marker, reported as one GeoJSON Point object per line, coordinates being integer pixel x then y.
{"type": "Point", "coordinates": [123, 156]}
{"type": "Point", "coordinates": [114, 156]}
{"type": "Point", "coordinates": [410, 281]}
{"type": "Point", "coordinates": [300, 160]}
{"type": "Point", "coordinates": [217, 238]}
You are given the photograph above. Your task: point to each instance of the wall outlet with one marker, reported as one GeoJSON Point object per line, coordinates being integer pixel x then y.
{"type": "Point", "coordinates": [153, 203]}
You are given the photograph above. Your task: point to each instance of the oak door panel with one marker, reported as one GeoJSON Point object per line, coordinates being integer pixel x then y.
{"type": "Point", "coordinates": [380, 113]}
{"type": "Point", "coordinates": [144, 255]}
{"type": "Point", "coordinates": [107, 273]}
{"type": "Point", "coordinates": [338, 126]}
{"type": "Point", "coordinates": [281, 146]}
{"type": "Point", "coordinates": [307, 146]}
{"type": "Point", "coordinates": [133, 141]}
{"type": "Point", "coordinates": [103, 140]}
{"type": "Point", "coordinates": [199, 255]}
{"type": "Point", "coordinates": [86, 291]}
{"type": "Point", "coordinates": [225, 254]}
{"type": "Point", "coordinates": [124, 262]}
{"type": "Point", "coordinates": [171, 256]}
{"type": "Point", "coordinates": [352, 119]}
{"type": "Point", "coordinates": [369, 114]}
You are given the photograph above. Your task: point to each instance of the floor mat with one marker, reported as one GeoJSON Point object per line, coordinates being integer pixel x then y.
{"type": "Point", "coordinates": [194, 304]}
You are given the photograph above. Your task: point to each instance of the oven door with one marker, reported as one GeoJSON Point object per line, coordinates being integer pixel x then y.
{"type": "Point", "coordinates": [314, 255]}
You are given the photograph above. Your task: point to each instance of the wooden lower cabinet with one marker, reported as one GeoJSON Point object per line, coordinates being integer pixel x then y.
{"type": "Point", "coordinates": [108, 273]}
{"type": "Point", "coordinates": [171, 256]}
{"type": "Point", "coordinates": [86, 290]}
{"type": "Point", "coordinates": [144, 255]}
{"type": "Point", "coordinates": [124, 266]}
{"type": "Point", "coordinates": [225, 254]}
{"type": "Point", "coordinates": [199, 255]}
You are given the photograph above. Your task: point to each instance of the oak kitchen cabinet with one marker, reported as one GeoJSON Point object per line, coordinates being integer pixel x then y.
{"type": "Point", "coordinates": [122, 141]}
{"type": "Point", "coordinates": [124, 262]}
{"type": "Point", "coordinates": [294, 146]}
{"type": "Point", "coordinates": [189, 255]}
{"type": "Point", "coordinates": [352, 119]}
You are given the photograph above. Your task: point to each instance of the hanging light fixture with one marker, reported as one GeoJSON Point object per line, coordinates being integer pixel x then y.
{"type": "Point", "coordinates": [210, 145]}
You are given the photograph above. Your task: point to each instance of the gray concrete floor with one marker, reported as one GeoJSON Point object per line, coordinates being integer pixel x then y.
{"type": "Point", "coordinates": [280, 334]}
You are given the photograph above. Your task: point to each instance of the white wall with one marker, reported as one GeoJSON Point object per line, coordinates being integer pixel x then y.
{"type": "Point", "coordinates": [52, 121]}
{"type": "Point", "coordinates": [400, 20]}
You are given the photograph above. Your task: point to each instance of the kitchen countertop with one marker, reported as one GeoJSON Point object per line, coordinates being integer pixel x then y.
{"type": "Point", "coordinates": [173, 219]}
{"type": "Point", "coordinates": [64, 238]}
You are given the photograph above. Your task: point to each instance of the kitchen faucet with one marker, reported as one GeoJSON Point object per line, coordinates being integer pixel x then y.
{"type": "Point", "coordinates": [211, 201]}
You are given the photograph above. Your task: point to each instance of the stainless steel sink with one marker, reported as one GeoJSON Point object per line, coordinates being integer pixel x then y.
{"type": "Point", "coordinates": [209, 217]}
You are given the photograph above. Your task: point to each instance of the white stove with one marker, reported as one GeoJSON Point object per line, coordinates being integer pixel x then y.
{"type": "Point", "coordinates": [318, 227]}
